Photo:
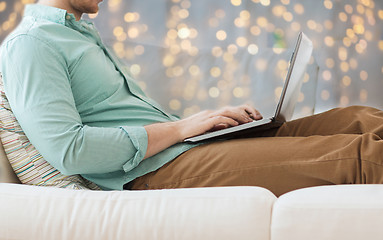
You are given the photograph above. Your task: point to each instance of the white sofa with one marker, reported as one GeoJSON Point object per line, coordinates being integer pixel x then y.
{"type": "Point", "coordinates": [328, 212]}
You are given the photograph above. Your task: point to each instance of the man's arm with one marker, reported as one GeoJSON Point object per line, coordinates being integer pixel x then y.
{"type": "Point", "coordinates": [164, 135]}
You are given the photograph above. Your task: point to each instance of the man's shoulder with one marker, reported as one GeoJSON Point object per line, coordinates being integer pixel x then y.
{"type": "Point", "coordinates": [34, 29]}
{"type": "Point", "coordinates": [21, 30]}
{"type": "Point", "coordinates": [28, 37]}
{"type": "Point", "coordinates": [29, 33]}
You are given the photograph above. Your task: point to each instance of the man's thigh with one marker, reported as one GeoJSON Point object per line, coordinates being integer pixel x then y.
{"type": "Point", "coordinates": [280, 164]}
{"type": "Point", "coordinates": [349, 120]}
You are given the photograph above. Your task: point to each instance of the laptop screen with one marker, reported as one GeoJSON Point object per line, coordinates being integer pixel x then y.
{"type": "Point", "coordinates": [294, 78]}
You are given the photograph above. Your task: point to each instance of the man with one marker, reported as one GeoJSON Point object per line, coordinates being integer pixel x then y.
{"type": "Point", "coordinates": [85, 115]}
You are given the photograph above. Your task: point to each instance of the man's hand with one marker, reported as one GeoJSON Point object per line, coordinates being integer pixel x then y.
{"type": "Point", "coordinates": [164, 135]}
{"type": "Point", "coordinates": [214, 120]}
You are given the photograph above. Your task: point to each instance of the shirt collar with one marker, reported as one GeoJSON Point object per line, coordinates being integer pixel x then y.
{"type": "Point", "coordinates": [49, 13]}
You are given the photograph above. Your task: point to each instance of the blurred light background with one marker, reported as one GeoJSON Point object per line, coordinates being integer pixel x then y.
{"type": "Point", "coordinates": [192, 55]}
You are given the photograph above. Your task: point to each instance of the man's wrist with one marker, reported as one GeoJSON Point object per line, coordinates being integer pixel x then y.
{"type": "Point", "coordinates": [177, 129]}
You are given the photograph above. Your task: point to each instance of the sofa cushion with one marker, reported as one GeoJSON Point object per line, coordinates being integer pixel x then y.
{"type": "Point", "coordinates": [329, 212]}
{"type": "Point", "coordinates": [188, 214]}
{"type": "Point", "coordinates": [28, 164]}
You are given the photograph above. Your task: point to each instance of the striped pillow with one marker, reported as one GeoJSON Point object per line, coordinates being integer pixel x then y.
{"type": "Point", "coordinates": [28, 164]}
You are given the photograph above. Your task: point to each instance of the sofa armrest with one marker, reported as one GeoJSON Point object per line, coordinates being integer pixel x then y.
{"type": "Point", "coordinates": [30, 212]}
{"type": "Point", "coordinates": [329, 212]}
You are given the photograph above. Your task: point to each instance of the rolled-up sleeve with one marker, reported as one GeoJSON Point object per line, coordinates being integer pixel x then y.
{"type": "Point", "coordinates": [40, 95]}
{"type": "Point", "coordinates": [139, 139]}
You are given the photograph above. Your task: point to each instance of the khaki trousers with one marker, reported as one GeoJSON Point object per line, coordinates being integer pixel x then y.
{"type": "Point", "coordinates": [341, 146]}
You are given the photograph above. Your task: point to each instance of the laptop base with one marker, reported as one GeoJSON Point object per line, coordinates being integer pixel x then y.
{"type": "Point", "coordinates": [255, 131]}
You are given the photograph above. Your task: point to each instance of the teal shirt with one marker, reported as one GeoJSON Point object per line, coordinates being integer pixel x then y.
{"type": "Point", "coordinates": [75, 101]}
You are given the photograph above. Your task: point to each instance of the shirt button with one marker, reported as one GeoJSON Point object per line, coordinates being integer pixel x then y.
{"type": "Point", "coordinates": [67, 17]}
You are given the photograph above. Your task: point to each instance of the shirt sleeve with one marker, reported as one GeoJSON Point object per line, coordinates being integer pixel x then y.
{"type": "Point", "coordinates": [37, 84]}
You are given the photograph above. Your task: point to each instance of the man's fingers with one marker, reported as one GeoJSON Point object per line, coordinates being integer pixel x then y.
{"type": "Point", "coordinates": [222, 120]}
{"type": "Point", "coordinates": [219, 127]}
{"type": "Point", "coordinates": [253, 113]}
{"type": "Point", "coordinates": [236, 113]}
{"type": "Point", "coordinates": [233, 116]}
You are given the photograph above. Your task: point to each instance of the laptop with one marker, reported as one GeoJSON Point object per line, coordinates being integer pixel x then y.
{"type": "Point", "coordinates": [288, 99]}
